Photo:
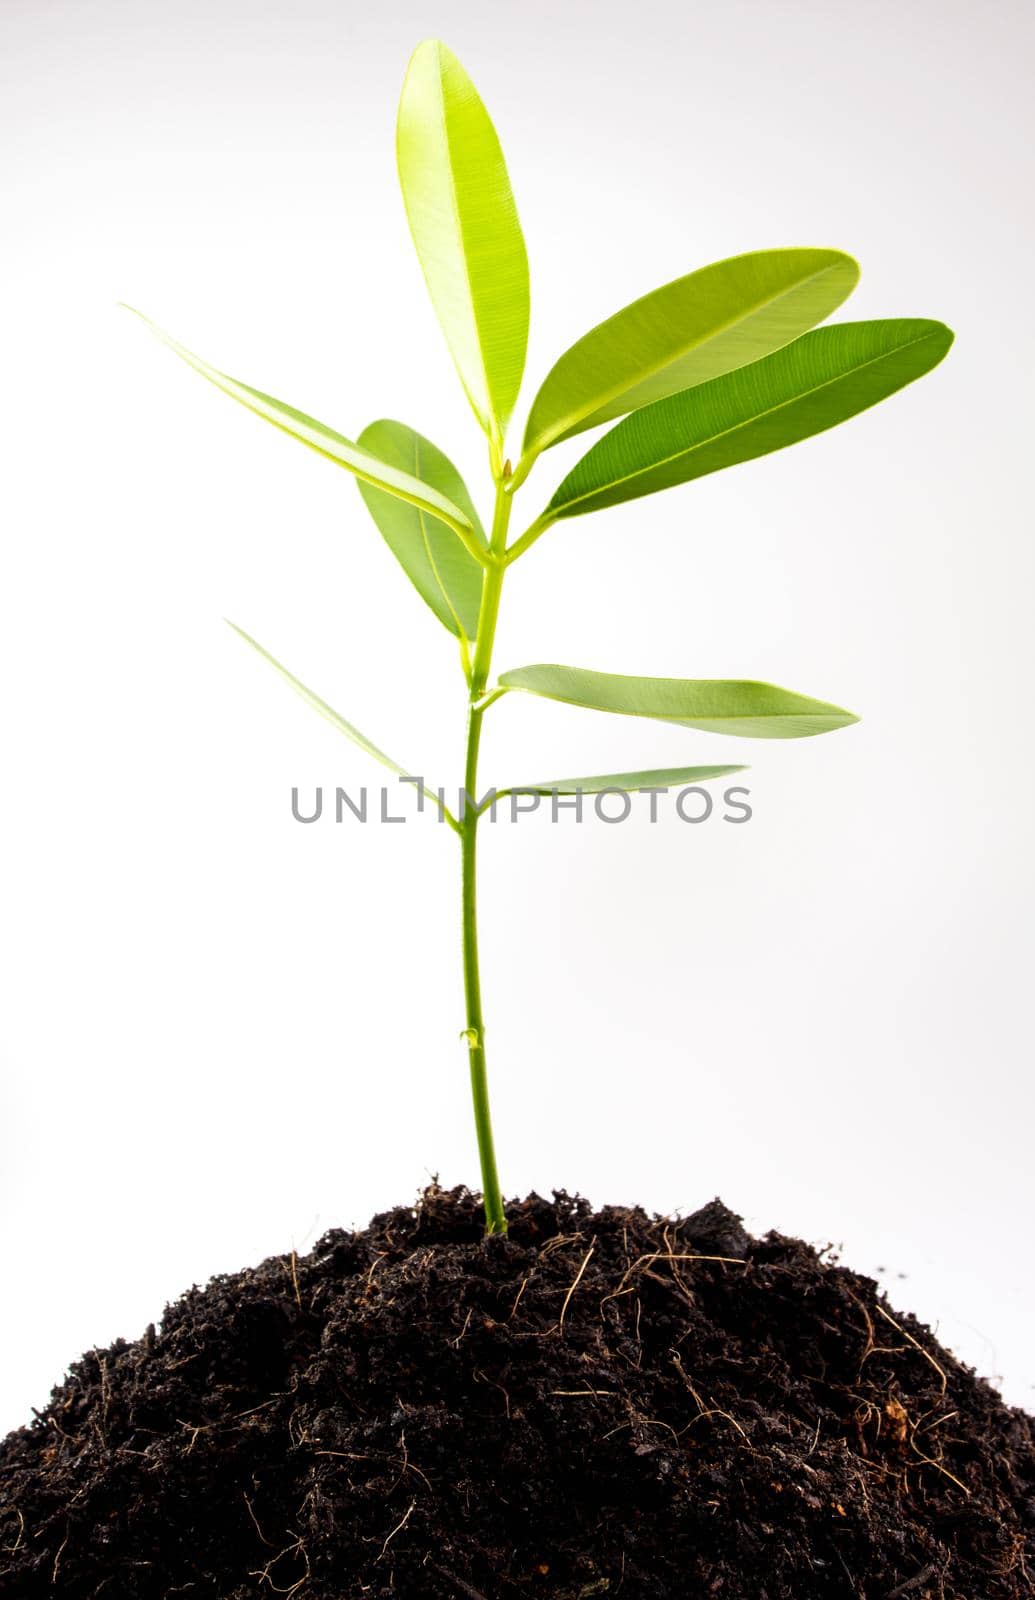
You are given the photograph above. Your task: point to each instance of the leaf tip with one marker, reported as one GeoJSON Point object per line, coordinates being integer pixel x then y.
{"type": "Point", "coordinates": [430, 49]}
{"type": "Point", "coordinates": [948, 335]}
{"type": "Point", "coordinates": [851, 265]}
{"type": "Point", "coordinates": [942, 335]}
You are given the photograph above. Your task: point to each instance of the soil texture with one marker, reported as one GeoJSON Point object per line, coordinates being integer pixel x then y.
{"type": "Point", "coordinates": [600, 1403]}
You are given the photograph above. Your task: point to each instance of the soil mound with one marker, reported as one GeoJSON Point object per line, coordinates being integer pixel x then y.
{"type": "Point", "coordinates": [601, 1403]}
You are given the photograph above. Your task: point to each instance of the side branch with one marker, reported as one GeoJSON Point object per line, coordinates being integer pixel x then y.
{"type": "Point", "coordinates": [530, 535]}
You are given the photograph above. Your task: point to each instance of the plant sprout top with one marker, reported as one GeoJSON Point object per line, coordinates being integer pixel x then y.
{"type": "Point", "coordinates": [720, 366]}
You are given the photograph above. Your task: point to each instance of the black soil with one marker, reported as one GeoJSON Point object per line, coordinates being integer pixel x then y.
{"type": "Point", "coordinates": [599, 1404]}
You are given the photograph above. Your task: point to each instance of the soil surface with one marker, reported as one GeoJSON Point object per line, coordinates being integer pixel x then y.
{"type": "Point", "coordinates": [601, 1403]}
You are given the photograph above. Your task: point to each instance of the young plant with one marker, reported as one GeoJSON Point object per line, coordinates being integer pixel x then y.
{"type": "Point", "coordinates": [716, 368]}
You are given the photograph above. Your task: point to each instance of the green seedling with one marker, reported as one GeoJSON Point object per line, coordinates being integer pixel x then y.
{"type": "Point", "coordinates": [719, 367]}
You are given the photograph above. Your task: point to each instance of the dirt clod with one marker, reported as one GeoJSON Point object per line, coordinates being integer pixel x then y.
{"type": "Point", "coordinates": [600, 1403]}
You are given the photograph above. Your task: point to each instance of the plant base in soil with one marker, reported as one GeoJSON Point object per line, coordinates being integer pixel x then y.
{"type": "Point", "coordinates": [599, 1403]}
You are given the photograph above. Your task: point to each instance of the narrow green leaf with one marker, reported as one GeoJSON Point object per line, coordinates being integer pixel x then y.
{"type": "Point", "coordinates": [821, 379]}
{"type": "Point", "coordinates": [321, 706]}
{"type": "Point", "coordinates": [362, 463]}
{"type": "Point", "coordinates": [339, 722]}
{"type": "Point", "coordinates": [717, 705]}
{"type": "Point", "coordinates": [465, 227]}
{"type": "Point", "coordinates": [712, 321]}
{"type": "Point", "coordinates": [436, 563]}
{"type": "Point", "coordinates": [661, 778]}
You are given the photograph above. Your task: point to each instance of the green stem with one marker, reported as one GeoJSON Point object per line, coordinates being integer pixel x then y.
{"type": "Point", "coordinates": [543, 521]}
{"type": "Point", "coordinates": [474, 1033]}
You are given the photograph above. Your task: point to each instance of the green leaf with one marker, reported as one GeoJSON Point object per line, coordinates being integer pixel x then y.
{"type": "Point", "coordinates": [465, 226]}
{"type": "Point", "coordinates": [362, 463]}
{"type": "Point", "coordinates": [436, 563]}
{"type": "Point", "coordinates": [321, 706]}
{"type": "Point", "coordinates": [814, 383]}
{"type": "Point", "coordinates": [710, 322]}
{"type": "Point", "coordinates": [334, 718]}
{"type": "Point", "coordinates": [717, 705]}
{"type": "Point", "coordinates": [661, 778]}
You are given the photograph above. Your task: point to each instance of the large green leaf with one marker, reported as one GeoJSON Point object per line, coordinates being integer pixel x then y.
{"type": "Point", "coordinates": [366, 466]}
{"type": "Point", "coordinates": [465, 226]}
{"type": "Point", "coordinates": [659, 778]}
{"type": "Point", "coordinates": [710, 322]}
{"type": "Point", "coordinates": [814, 383]}
{"type": "Point", "coordinates": [444, 574]}
{"type": "Point", "coordinates": [718, 705]}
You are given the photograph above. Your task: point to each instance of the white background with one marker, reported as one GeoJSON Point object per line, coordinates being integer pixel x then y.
{"type": "Point", "coordinates": [224, 1032]}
